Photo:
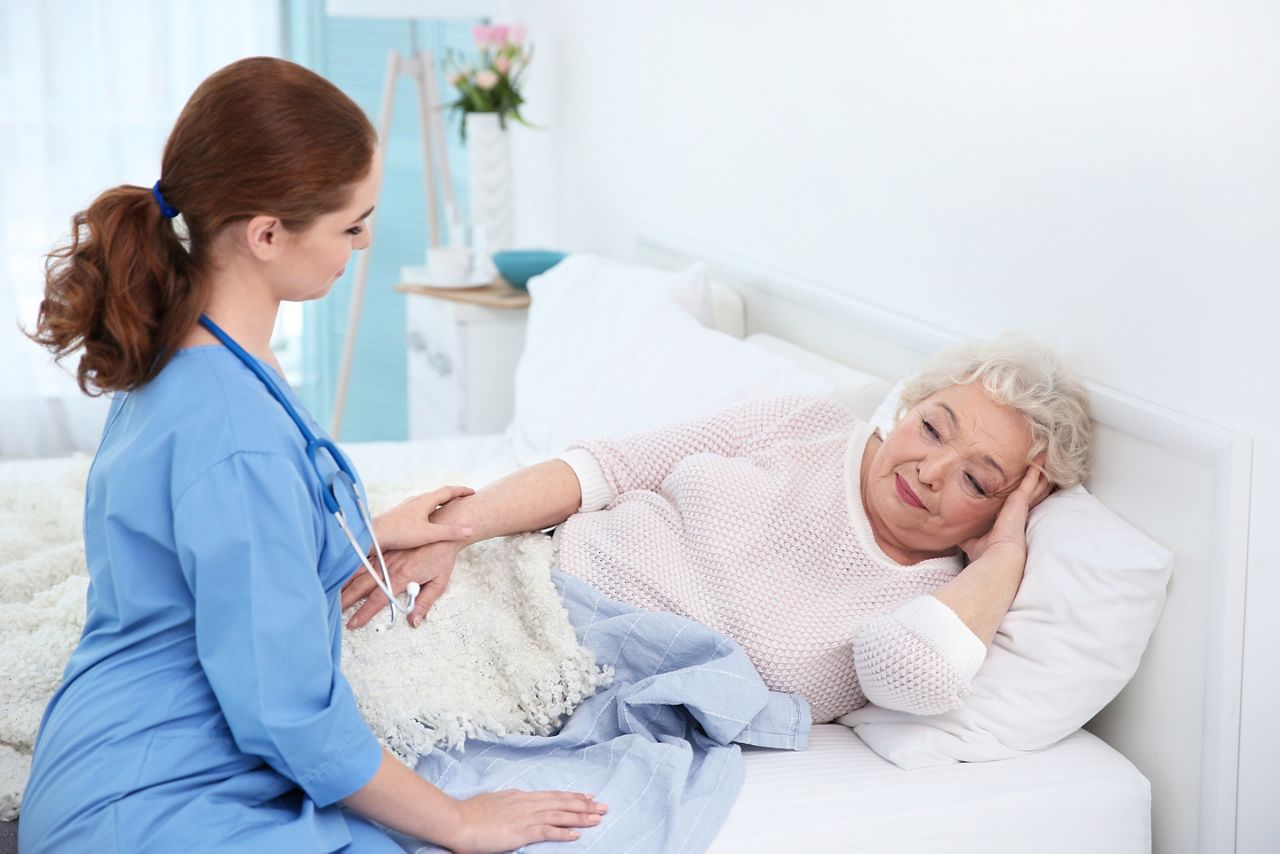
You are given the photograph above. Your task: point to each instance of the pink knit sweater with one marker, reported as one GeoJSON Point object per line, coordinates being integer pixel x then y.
{"type": "Point", "coordinates": [751, 521]}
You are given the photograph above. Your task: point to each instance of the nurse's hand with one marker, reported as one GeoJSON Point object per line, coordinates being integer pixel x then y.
{"type": "Point", "coordinates": [431, 566]}
{"type": "Point", "coordinates": [507, 820]}
{"type": "Point", "coordinates": [408, 524]}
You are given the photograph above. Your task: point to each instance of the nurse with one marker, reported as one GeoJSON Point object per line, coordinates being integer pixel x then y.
{"type": "Point", "coordinates": [204, 707]}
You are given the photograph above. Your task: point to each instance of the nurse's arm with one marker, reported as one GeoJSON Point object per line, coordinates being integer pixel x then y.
{"type": "Point", "coordinates": [398, 798]}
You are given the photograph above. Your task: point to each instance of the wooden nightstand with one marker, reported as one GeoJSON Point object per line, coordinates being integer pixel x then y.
{"type": "Point", "coordinates": [462, 349]}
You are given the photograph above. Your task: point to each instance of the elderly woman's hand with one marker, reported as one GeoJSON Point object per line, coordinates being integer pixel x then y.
{"type": "Point", "coordinates": [431, 566]}
{"type": "Point", "coordinates": [408, 525]}
{"type": "Point", "coordinates": [1009, 533]}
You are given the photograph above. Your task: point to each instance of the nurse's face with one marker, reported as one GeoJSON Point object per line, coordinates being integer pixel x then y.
{"type": "Point", "coordinates": [316, 258]}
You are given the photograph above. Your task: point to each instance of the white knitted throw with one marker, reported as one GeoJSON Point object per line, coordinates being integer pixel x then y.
{"type": "Point", "coordinates": [496, 656]}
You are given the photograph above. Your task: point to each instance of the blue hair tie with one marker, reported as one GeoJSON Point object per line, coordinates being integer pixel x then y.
{"type": "Point", "coordinates": [168, 212]}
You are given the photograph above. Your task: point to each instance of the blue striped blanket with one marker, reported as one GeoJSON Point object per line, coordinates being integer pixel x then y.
{"type": "Point", "coordinates": [659, 746]}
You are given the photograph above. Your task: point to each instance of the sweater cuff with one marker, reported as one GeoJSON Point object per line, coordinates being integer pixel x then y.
{"type": "Point", "coordinates": [933, 620]}
{"type": "Point", "coordinates": [596, 491]}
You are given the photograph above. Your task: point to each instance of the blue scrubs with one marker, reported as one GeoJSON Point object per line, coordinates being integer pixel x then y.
{"type": "Point", "coordinates": [204, 708]}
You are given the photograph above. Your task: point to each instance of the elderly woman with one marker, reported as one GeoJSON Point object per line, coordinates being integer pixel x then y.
{"type": "Point", "coordinates": [850, 566]}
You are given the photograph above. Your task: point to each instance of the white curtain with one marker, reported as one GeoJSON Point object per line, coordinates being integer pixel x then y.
{"type": "Point", "coordinates": [89, 90]}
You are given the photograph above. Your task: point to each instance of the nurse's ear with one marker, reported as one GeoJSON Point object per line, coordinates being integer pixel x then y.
{"type": "Point", "coordinates": [263, 237]}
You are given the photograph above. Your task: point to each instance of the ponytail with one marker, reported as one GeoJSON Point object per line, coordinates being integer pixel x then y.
{"type": "Point", "coordinates": [124, 288]}
{"type": "Point", "coordinates": [260, 136]}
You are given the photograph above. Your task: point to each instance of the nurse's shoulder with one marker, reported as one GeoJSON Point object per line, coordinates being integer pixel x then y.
{"type": "Point", "coordinates": [212, 406]}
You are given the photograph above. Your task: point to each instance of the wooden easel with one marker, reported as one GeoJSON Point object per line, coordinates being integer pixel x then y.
{"type": "Point", "coordinates": [420, 67]}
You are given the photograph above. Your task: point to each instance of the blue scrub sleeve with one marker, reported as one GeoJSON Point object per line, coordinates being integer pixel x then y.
{"type": "Point", "coordinates": [249, 538]}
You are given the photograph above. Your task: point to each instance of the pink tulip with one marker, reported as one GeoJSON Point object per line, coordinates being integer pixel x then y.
{"type": "Point", "coordinates": [483, 35]}
{"type": "Point", "coordinates": [486, 79]}
{"type": "Point", "coordinates": [517, 34]}
{"type": "Point", "coordinates": [503, 65]}
{"type": "Point", "coordinates": [498, 35]}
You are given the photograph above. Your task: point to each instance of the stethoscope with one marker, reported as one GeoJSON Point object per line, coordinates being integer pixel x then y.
{"type": "Point", "coordinates": [344, 476]}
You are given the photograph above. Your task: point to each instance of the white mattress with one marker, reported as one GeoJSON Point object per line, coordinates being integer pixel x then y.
{"type": "Point", "coordinates": [1079, 795]}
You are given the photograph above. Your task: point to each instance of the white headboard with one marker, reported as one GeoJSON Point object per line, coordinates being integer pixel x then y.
{"type": "Point", "coordinates": [1181, 480]}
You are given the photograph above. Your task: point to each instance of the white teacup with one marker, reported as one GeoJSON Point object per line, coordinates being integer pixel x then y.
{"type": "Point", "coordinates": [449, 264]}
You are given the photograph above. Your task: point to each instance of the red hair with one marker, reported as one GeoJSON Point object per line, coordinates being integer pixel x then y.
{"type": "Point", "coordinates": [260, 136]}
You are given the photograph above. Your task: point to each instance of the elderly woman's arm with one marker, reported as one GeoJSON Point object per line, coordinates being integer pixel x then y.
{"type": "Point", "coordinates": [984, 592]}
{"type": "Point", "coordinates": [533, 498]}
{"type": "Point", "coordinates": [588, 477]}
{"type": "Point", "coordinates": [591, 474]}
{"type": "Point", "coordinates": [922, 658]}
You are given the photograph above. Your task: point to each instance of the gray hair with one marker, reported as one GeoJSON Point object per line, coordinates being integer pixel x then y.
{"type": "Point", "coordinates": [1031, 378]}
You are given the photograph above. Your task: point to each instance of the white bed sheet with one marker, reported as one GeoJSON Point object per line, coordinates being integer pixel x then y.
{"type": "Point", "coordinates": [1079, 795]}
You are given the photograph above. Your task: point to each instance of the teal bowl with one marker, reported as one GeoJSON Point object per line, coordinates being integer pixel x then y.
{"type": "Point", "coordinates": [518, 266]}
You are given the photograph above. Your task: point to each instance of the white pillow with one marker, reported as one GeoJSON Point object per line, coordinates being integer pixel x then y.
{"type": "Point", "coordinates": [1089, 601]}
{"type": "Point", "coordinates": [613, 348]}
{"type": "Point", "coordinates": [885, 418]}
{"type": "Point", "coordinates": [860, 392]}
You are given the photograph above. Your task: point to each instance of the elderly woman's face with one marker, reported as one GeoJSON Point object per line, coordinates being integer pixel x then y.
{"type": "Point", "coordinates": [942, 475]}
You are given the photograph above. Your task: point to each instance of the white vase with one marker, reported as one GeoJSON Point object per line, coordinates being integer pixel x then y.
{"type": "Point", "coordinates": [489, 174]}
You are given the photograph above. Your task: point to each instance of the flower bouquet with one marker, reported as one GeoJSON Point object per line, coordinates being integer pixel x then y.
{"type": "Point", "coordinates": [491, 83]}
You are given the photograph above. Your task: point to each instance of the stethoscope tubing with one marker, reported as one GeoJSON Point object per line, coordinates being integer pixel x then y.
{"type": "Point", "coordinates": [328, 492]}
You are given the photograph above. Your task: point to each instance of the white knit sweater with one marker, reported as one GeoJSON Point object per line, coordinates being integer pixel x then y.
{"type": "Point", "coordinates": [751, 522]}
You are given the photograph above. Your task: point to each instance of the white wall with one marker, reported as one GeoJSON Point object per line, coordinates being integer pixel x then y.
{"type": "Point", "coordinates": [1105, 175]}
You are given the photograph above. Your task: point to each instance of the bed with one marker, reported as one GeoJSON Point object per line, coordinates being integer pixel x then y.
{"type": "Point", "coordinates": [839, 795]}
{"type": "Point", "coordinates": [1180, 479]}
{"type": "Point", "coordinates": [1155, 770]}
